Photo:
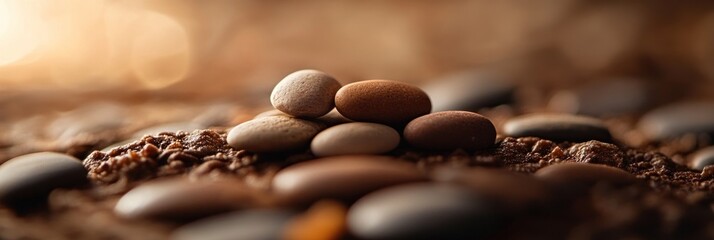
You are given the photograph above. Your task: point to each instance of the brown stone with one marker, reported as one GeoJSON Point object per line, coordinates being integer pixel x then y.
{"type": "Point", "coordinates": [382, 101]}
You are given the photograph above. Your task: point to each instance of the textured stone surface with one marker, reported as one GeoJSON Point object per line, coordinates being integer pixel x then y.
{"type": "Point", "coordinates": [382, 101]}
{"type": "Point", "coordinates": [305, 93]}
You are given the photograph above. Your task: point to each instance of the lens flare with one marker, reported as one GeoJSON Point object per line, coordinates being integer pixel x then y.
{"type": "Point", "coordinates": [17, 38]}
{"type": "Point", "coordinates": [160, 53]}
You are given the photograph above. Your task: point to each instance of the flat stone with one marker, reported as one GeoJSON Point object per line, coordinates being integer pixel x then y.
{"type": "Point", "coordinates": [273, 134]}
{"type": "Point", "coordinates": [89, 119]}
{"type": "Point", "coordinates": [182, 199]}
{"type": "Point", "coordinates": [624, 96]}
{"type": "Point", "coordinates": [558, 128]}
{"type": "Point", "coordinates": [263, 224]}
{"type": "Point", "coordinates": [355, 138]}
{"type": "Point", "coordinates": [36, 174]}
{"type": "Point", "coordinates": [451, 130]}
{"type": "Point", "coordinates": [423, 211]}
{"type": "Point", "coordinates": [678, 119]}
{"type": "Point", "coordinates": [343, 177]}
{"type": "Point", "coordinates": [469, 91]}
{"type": "Point", "coordinates": [584, 174]}
{"type": "Point", "coordinates": [516, 190]}
{"type": "Point", "coordinates": [702, 158]}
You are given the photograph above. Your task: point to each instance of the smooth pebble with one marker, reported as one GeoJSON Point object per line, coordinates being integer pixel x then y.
{"type": "Point", "coordinates": [451, 130]}
{"type": "Point", "coordinates": [702, 158]}
{"type": "Point", "coordinates": [257, 224]}
{"type": "Point", "coordinates": [623, 96]}
{"type": "Point", "coordinates": [517, 191]}
{"type": "Point", "coordinates": [89, 119]}
{"type": "Point", "coordinates": [678, 119]}
{"type": "Point", "coordinates": [382, 101]}
{"type": "Point", "coordinates": [305, 93]}
{"type": "Point", "coordinates": [273, 134]}
{"type": "Point", "coordinates": [469, 91]}
{"type": "Point", "coordinates": [423, 211]}
{"type": "Point", "coordinates": [183, 199]}
{"type": "Point", "coordinates": [36, 174]}
{"type": "Point", "coordinates": [355, 138]}
{"type": "Point", "coordinates": [558, 127]}
{"type": "Point", "coordinates": [583, 174]}
{"type": "Point", "coordinates": [341, 177]}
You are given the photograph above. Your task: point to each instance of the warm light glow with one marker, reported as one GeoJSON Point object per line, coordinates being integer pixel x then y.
{"type": "Point", "coordinates": [17, 36]}
{"type": "Point", "coordinates": [89, 44]}
{"type": "Point", "coordinates": [160, 51]}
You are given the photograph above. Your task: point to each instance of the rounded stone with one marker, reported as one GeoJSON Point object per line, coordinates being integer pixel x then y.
{"type": "Point", "coordinates": [36, 174]}
{"type": "Point", "coordinates": [272, 134]}
{"type": "Point", "coordinates": [342, 177]}
{"type": "Point", "coordinates": [451, 130]}
{"type": "Point", "coordinates": [183, 199]}
{"type": "Point", "coordinates": [382, 101]}
{"type": "Point", "coordinates": [248, 224]}
{"type": "Point", "coordinates": [515, 190]}
{"type": "Point", "coordinates": [678, 119]}
{"type": "Point", "coordinates": [423, 211]}
{"type": "Point", "coordinates": [355, 138]}
{"type": "Point", "coordinates": [305, 93]}
{"type": "Point", "coordinates": [470, 91]}
{"type": "Point", "coordinates": [624, 96]}
{"type": "Point", "coordinates": [583, 174]}
{"type": "Point", "coordinates": [558, 128]}
{"type": "Point", "coordinates": [91, 118]}
{"type": "Point", "coordinates": [702, 158]}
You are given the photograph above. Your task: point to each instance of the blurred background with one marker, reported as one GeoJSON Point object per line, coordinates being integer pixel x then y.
{"type": "Point", "coordinates": [58, 53]}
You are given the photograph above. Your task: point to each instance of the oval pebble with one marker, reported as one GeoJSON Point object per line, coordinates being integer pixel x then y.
{"type": "Point", "coordinates": [517, 191]}
{"type": "Point", "coordinates": [182, 199]}
{"type": "Point", "coordinates": [423, 211]}
{"type": "Point", "coordinates": [469, 91]}
{"type": "Point", "coordinates": [382, 101]}
{"type": "Point", "coordinates": [451, 130]}
{"type": "Point", "coordinates": [570, 173]}
{"type": "Point", "coordinates": [558, 127]}
{"type": "Point", "coordinates": [36, 174]}
{"type": "Point", "coordinates": [249, 224]}
{"type": "Point", "coordinates": [305, 93]}
{"type": "Point", "coordinates": [89, 119]}
{"type": "Point", "coordinates": [342, 177]}
{"type": "Point", "coordinates": [702, 158]}
{"type": "Point", "coordinates": [273, 133]}
{"type": "Point", "coordinates": [678, 119]}
{"type": "Point", "coordinates": [355, 138]}
{"type": "Point", "coordinates": [624, 96]}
